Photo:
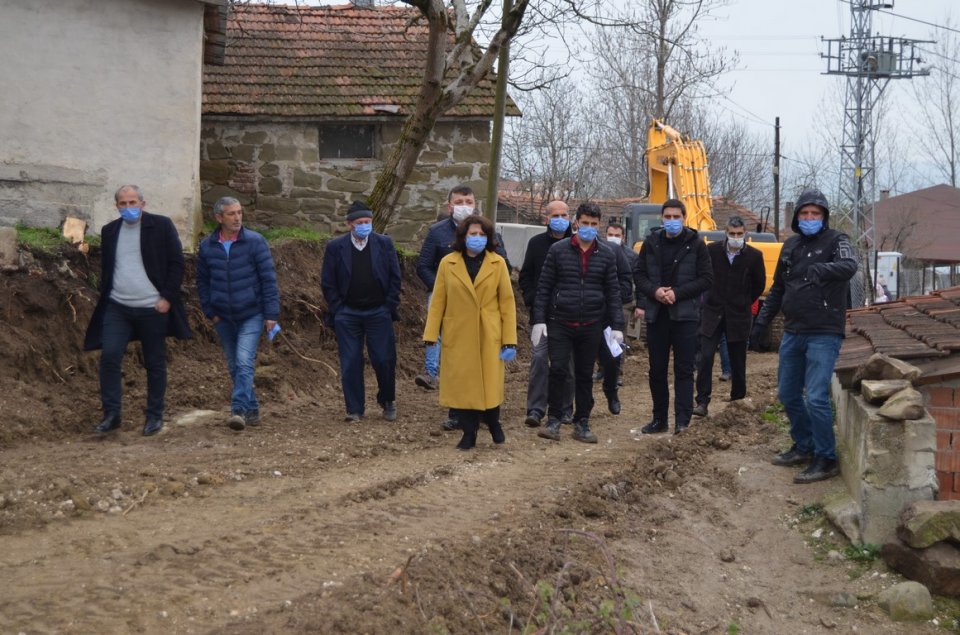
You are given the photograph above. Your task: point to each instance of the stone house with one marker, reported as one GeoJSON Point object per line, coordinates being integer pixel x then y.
{"type": "Point", "coordinates": [310, 101]}
{"type": "Point", "coordinates": [99, 93]}
{"type": "Point", "coordinates": [887, 464]}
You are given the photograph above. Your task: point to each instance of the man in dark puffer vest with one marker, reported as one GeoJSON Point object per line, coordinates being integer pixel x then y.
{"type": "Point", "coordinates": [237, 285]}
{"type": "Point", "coordinates": [672, 272]}
{"type": "Point", "coordinates": [810, 284]}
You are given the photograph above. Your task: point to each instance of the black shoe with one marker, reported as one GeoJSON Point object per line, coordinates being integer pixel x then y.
{"type": "Point", "coordinates": [792, 457]}
{"type": "Point", "coordinates": [110, 423]}
{"type": "Point", "coordinates": [820, 470]}
{"type": "Point", "coordinates": [496, 432]}
{"type": "Point", "coordinates": [251, 417]}
{"type": "Point", "coordinates": [450, 425]}
{"type": "Point", "coordinates": [655, 427]}
{"type": "Point", "coordinates": [533, 419]}
{"type": "Point", "coordinates": [469, 438]}
{"type": "Point", "coordinates": [551, 431]}
{"type": "Point", "coordinates": [700, 410]}
{"type": "Point", "coordinates": [390, 410]}
{"type": "Point", "coordinates": [152, 426]}
{"type": "Point", "coordinates": [566, 418]}
{"type": "Point", "coordinates": [581, 432]}
{"type": "Point", "coordinates": [613, 403]}
{"type": "Point", "coordinates": [680, 428]}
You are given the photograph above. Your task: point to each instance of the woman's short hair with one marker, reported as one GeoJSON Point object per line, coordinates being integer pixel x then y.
{"type": "Point", "coordinates": [460, 237]}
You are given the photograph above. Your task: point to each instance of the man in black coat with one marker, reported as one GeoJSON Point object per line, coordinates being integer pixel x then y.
{"type": "Point", "coordinates": [578, 293]}
{"type": "Point", "coordinates": [810, 284]}
{"type": "Point", "coordinates": [142, 270]}
{"type": "Point", "coordinates": [557, 219]}
{"type": "Point", "coordinates": [739, 277]}
{"type": "Point", "coordinates": [672, 272]}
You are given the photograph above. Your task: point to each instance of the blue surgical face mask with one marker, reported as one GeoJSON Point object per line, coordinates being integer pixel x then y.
{"type": "Point", "coordinates": [810, 227]}
{"type": "Point", "coordinates": [673, 226]}
{"type": "Point", "coordinates": [363, 230]}
{"type": "Point", "coordinates": [130, 214]}
{"type": "Point", "coordinates": [587, 234]}
{"type": "Point", "coordinates": [559, 224]}
{"type": "Point", "coordinates": [476, 244]}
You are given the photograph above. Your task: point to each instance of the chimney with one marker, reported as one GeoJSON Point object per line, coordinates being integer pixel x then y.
{"type": "Point", "coordinates": [884, 195]}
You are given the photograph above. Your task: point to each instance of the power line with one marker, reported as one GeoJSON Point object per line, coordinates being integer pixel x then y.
{"type": "Point", "coordinates": [906, 17]}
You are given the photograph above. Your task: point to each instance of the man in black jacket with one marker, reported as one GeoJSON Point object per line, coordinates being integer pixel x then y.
{"type": "Point", "coordinates": [557, 219]}
{"type": "Point", "coordinates": [672, 272]}
{"type": "Point", "coordinates": [579, 293]}
{"type": "Point", "coordinates": [810, 284]}
{"type": "Point", "coordinates": [142, 270]}
{"type": "Point", "coordinates": [739, 276]}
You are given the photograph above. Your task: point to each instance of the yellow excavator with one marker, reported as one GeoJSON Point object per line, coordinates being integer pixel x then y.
{"type": "Point", "coordinates": [677, 167]}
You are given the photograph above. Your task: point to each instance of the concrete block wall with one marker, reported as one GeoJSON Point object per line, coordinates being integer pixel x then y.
{"type": "Point", "coordinates": [884, 464]}
{"type": "Point", "coordinates": [274, 169]}
{"type": "Point", "coordinates": [943, 403]}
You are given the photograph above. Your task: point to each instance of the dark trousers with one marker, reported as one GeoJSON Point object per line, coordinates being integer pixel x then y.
{"type": "Point", "coordinates": [610, 366]}
{"type": "Point", "coordinates": [352, 327]}
{"type": "Point", "coordinates": [473, 417]}
{"type": "Point", "coordinates": [579, 342]}
{"type": "Point", "coordinates": [738, 366]}
{"type": "Point", "coordinates": [663, 335]}
{"type": "Point", "coordinates": [120, 325]}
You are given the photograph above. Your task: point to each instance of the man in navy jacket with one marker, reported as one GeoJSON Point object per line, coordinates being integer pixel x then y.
{"type": "Point", "coordinates": [142, 269]}
{"type": "Point", "coordinates": [237, 285]}
{"type": "Point", "coordinates": [361, 283]}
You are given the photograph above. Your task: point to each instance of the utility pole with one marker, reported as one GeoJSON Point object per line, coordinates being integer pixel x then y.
{"type": "Point", "coordinates": [499, 113]}
{"type": "Point", "coordinates": [776, 178]}
{"type": "Point", "coordinates": [868, 62]}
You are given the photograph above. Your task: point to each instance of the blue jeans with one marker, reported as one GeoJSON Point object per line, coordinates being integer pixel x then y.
{"type": "Point", "coordinates": [803, 387]}
{"type": "Point", "coordinates": [431, 361]}
{"type": "Point", "coordinates": [239, 341]}
{"type": "Point", "coordinates": [352, 327]}
{"type": "Point", "coordinates": [724, 356]}
{"type": "Point", "coordinates": [120, 325]}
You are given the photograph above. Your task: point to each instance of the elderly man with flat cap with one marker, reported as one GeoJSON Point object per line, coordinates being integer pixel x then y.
{"type": "Point", "coordinates": [361, 283]}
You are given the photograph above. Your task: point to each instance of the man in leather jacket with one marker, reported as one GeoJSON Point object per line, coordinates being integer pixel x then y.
{"type": "Point", "coordinates": [811, 286]}
{"type": "Point", "coordinates": [671, 274]}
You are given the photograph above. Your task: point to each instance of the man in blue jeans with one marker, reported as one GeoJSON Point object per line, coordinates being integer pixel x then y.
{"type": "Point", "coordinates": [810, 284]}
{"type": "Point", "coordinates": [360, 280]}
{"type": "Point", "coordinates": [142, 269]}
{"type": "Point", "coordinates": [237, 285]}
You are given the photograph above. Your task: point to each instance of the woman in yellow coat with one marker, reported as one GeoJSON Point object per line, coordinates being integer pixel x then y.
{"type": "Point", "coordinates": [473, 305]}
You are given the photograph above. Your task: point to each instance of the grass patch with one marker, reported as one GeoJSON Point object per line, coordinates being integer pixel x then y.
{"type": "Point", "coordinates": [809, 512]}
{"type": "Point", "coordinates": [866, 553]}
{"type": "Point", "coordinates": [42, 239]}
{"type": "Point", "coordinates": [406, 253]}
{"type": "Point", "coordinates": [774, 414]}
{"type": "Point", "coordinates": [298, 233]}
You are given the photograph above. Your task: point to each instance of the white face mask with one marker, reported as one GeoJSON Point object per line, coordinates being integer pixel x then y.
{"type": "Point", "coordinates": [616, 240]}
{"type": "Point", "coordinates": [735, 243]}
{"type": "Point", "coordinates": [461, 211]}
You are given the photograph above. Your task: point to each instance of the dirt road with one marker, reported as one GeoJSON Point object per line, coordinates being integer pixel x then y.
{"type": "Point", "coordinates": [309, 525]}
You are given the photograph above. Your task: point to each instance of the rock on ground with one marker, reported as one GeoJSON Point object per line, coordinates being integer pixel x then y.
{"type": "Point", "coordinates": [923, 523]}
{"type": "Point", "coordinates": [907, 602]}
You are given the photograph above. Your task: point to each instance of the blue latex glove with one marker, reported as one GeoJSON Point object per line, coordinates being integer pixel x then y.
{"type": "Point", "coordinates": [508, 353]}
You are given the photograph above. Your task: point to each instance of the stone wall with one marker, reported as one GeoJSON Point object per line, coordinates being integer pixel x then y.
{"type": "Point", "coordinates": [885, 464]}
{"type": "Point", "coordinates": [274, 169]}
{"type": "Point", "coordinates": [943, 403]}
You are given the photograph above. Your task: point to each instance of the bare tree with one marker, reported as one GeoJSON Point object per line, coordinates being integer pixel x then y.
{"type": "Point", "coordinates": [658, 68]}
{"type": "Point", "coordinates": [456, 64]}
{"type": "Point", "coordinates": [938, 97]}
{"type": "Point", "coordinates": [552, 149]}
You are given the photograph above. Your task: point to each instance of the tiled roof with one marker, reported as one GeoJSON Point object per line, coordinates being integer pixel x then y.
{"type": "Point", "coordinates": [914, 328]}
{"type": "Point", "coordinates": [724, 208]}
{"type": "Point", "coordinates": [326, 62]}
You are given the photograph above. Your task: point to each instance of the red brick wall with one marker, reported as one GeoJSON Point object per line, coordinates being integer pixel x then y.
{"type": "Point", "coordinates": [943, 403]}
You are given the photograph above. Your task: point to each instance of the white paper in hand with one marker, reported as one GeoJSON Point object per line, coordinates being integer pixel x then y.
{"type": "Point", "coordinates": [612, 343]}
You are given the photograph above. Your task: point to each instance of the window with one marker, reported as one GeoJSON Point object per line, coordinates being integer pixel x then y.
{"type": "Point", "coordinates": [348, 141]}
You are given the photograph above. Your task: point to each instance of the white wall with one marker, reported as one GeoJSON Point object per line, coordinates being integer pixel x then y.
{"type": "Point", "coordinates": [95, 94]}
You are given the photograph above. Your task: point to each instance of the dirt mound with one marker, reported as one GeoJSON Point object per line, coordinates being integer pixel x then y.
{"type": "Point", "coordinates": [49, 387]}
